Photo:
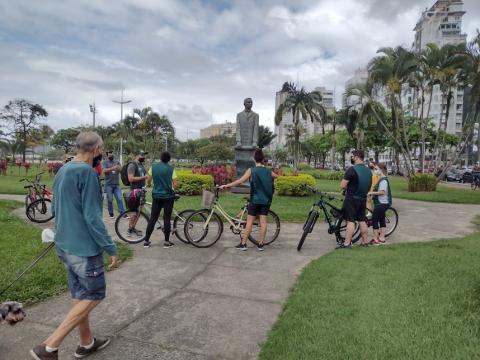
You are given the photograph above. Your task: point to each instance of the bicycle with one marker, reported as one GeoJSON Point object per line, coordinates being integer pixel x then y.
{"type": "Point", "coordinates": [38, 201]}
{"type": "Point", "coordinates": [333, 215]}
{"type": "Point", "coordinates": [207, 221]}
{"type": "Point", "coordinates": [336, 222]}
{"type": "Point", "coordinates": [128, 231]}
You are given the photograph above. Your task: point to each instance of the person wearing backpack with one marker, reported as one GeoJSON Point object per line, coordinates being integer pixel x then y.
{"type": "Point", "coordinates": [382, 199]}
{"type": "Point", "coordinates": [164, 183]}
{"type": "Point", "coordinates": [356, 183]}
{"type": "Point", "coordinates": [134, 175]}
{"type": "Point", "coordinates": [111, 169]}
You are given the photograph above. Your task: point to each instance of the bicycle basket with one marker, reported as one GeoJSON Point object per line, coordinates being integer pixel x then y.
{"type": "Point", "coordinates": [207, 198]}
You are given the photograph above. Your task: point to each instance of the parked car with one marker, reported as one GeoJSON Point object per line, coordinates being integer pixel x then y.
{"type": "Point", "coordinates": [467, 177]}
{"type": "Point", "coordinates": [454, 175]}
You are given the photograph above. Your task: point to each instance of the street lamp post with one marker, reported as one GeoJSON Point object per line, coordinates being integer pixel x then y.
{"type": "Point", "coordinates": [121, 102]}
{"type": "Point", "coordinates": [93, 110]}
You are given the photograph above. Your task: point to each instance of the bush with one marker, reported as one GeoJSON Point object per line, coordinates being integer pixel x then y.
{"type": "Point", "coordinates": [220, 173]}
{"type": "Point", "coordinates": [193, 184]}
{"type": "Point", "coordinates": [325, 175]}
{"type": "Point", "coordinates": [422, 182]}
{"type": "Point", "coordinates": [303, 167]}
{"type": "Point", "coordinates": [54, 166]}
{"type": "Point", "coordinates": [294, 185]}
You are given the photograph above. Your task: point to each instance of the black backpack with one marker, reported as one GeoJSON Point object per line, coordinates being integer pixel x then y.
{"type": "Point", "coordinates": [124, 172]}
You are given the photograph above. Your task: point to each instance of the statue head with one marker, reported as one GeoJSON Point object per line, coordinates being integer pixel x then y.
{"type": "Point", "coordinates": [248, 104]}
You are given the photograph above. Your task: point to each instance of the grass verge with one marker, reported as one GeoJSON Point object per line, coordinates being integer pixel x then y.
{"type": "Point", "coordinates": [19, 244]}
{"type": "Point", "coordinates": [406, 301]}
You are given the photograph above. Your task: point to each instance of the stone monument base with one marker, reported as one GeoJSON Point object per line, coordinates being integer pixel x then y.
{"type": "Point", "coordinates": [243, 161]}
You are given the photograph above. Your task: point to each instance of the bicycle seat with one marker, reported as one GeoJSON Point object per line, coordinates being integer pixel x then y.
{"type": "Point", "coordinates": [177, 197]}
{"type": "Point", "coordinates": [27, 186]}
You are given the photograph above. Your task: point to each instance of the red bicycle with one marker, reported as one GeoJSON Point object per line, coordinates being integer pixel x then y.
{"type": "Point", "coordinates": [38, 201]}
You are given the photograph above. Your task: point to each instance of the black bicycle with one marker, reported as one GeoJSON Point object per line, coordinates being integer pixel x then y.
{"type": "Point", "coordinates": [336, 222]}
{"type": "Point", "coordinates": [333, 215]}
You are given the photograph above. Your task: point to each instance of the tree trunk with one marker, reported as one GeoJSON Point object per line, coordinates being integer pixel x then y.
{"type": "Point", "coordinates": [377, 153]}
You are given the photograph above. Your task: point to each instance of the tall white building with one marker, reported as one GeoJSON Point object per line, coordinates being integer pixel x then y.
{"type": "Point", "coordinates": [441, 24]}
{"type": "Point", "coordinates": [310, 129]}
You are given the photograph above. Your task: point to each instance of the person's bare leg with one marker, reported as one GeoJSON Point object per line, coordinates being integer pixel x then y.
{"type": "Point", "coordinates": [364, 231]}
{"type": "Point", "coordinates": [381, 234]}
{"type": "Point", "coordinates": [75, 316]}
{"type": "Point", "coordinates": [248, 229]}
{"type": "Point", "coordinates": [376, 234]}
{"type": "Point", "coordinates": [263, 228]}
{"type": "Point", "coordinates": [84, 332]}
{"type": "Point", "coordinates": [349, 233]}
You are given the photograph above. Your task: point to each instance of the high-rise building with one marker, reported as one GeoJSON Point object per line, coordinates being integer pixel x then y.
{"type": "Point", "coordinates": [227, 129]}
{"type": "Point", "coordinates": [309, 128]}
{"type": "Point", "coordinates": [441, 24]}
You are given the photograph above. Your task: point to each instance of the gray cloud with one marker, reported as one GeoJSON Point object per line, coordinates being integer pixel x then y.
{"type": "Point", "coordinates": [194, 60]}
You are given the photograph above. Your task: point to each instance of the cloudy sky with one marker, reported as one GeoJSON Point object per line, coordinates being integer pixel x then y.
{"type": "Point", "coordinates": [194, 60]}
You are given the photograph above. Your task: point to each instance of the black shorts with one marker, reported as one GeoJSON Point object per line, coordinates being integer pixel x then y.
{"type": "Point", "coordinates": [258, 209]}
{"type": "Point", "coordinates": [355, 210]}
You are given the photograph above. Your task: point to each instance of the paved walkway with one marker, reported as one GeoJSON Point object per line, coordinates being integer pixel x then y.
{"type": "Point", "coordinates": [217, 303]}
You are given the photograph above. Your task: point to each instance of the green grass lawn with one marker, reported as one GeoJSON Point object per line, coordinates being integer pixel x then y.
{"type": "Point", "coordinates": [20, 243]}
{"type": "Point", "coordinates": [408, 301]}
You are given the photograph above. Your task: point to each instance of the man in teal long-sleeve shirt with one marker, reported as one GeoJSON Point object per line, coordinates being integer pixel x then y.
{"type": "Point", "coordinates": [81, 238]}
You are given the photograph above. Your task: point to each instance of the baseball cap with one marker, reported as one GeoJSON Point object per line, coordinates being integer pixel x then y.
{"type": "Point", "coordinates": [140, 152]}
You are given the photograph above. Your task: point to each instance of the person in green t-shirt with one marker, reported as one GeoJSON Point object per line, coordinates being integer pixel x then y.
{"type": "Point", "coordinates": [163, 194]}
{"type": "Point", "coordinates": [261, 194]}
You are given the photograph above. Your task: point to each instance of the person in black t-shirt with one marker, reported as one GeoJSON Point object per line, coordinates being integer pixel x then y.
{"type": "Point", "coordinates": [356, 183]}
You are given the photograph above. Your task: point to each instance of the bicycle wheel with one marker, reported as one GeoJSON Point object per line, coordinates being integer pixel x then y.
{"type": "Point", "coordinates": [308, 227]}
{"type": "Point", "coordinates": [341, 230]}
{"type": "Point", "coordinates": [391, 220]}
{"type": "Point", "coordinates": [179, 224]}
{"type": "Point", "coordinates": [40, 211]}
{"type": "Point", "coordinates": [131, 226]}
{"type": "Point", "coordinates": [273, 229]}
{"type": "Point", "coordinates": [203, 228]}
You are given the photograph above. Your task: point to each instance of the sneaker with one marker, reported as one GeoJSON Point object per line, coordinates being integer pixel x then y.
{"type": "Point", "coordinates": [39, 352]}
{"type": "Point", "coordinates": [147, 244]}
{"type": "Point", "coordinates": [112, 217]}
{"type": "Point", "coordinates": [343, 246]}
{"type": "Point", "coordinates": [98, 344]}
{"type": "Point", "coordinates": [260, 247]}
{"type": "Point", "coordinates": [242, 247]}
{"type": "Point", "coordinates": [167, 244]}
{"type": "Point", "coordinates": [381, 242]}
{"type": "Point", "coordinates": [136, 232]}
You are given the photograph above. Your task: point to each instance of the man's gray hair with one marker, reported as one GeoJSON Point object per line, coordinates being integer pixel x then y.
{"type": "Point", "coordinates": [88, 141]}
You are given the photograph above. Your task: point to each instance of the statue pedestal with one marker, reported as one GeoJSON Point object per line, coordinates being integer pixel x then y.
{"type": "Point", "coordinates": [243, 161]}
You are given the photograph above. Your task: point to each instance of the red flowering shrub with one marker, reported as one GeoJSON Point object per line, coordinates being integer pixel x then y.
{"type": "Point", "coordinates": [54, 166]}
{"type": "Point", "coordinates": [221, 174]}
{"type": "Point", "coordinates": [26, 165]}
{"type": "Point", "coordinates": [3, 167]}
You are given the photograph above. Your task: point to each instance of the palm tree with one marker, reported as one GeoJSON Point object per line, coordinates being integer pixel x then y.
{"type": "Point", "coordinates": [300, 103]}
{"type": "Point", "coordinates": [389, 72]}
{"type": "Point", "coordinates": [265, 136]}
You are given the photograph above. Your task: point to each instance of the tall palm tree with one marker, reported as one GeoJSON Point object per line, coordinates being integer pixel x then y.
{"type": "Point", "coordinates": [390, 71]}
{"type": "Point", "coordinates": [300, 103]}
{"type": "Point", "coordinates": [265, 136]}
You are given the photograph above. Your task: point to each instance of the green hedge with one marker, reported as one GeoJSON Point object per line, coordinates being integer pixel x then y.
{"type": "Point", "coordinates": [294, 185]}
{"type": "Point", "coordinates": [193, 184]}
{"type": "Point", "coordinates": [325, 175]}
{"type": "Point", "coordinates": [422, 182]}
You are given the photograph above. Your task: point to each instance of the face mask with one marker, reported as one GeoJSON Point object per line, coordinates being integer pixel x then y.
{"type": "Point", "coordinates": [141, 160]}
{"type": "Point", "coordinates": [352, 160]}
{"type": "Point", "coordinates": [110, 157]}
{"type": "Point", "coordinates": [378, 172]}
{"type": "Point", "coordinates": [96, 160]}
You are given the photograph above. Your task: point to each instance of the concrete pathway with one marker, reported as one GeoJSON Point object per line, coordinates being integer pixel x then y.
{"type": "Point", "coordinates": [216, 303]}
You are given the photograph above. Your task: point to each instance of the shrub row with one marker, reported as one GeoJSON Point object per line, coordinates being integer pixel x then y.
{"type": "Point", "coordinates": [422, 182]}
{"type": "Point", "coordinates": [193, 184]}
{"type": "Point", "coordinates": [325, 175]}
{"type": "Point", "coordinates": [294, 185]}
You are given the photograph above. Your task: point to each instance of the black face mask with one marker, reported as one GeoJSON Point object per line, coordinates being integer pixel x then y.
{"type": "Point", "coordinates": [352, 160]}
{"type": "Point", "coordinates": [96, 160]}
{"type": "Point", "coordinates": [110, 157]}
{"type": "Point", "coordinates": [141, 160]}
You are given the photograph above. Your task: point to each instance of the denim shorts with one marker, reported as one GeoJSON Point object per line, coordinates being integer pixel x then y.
{"type": "Point", "coordinates": [86, 275]}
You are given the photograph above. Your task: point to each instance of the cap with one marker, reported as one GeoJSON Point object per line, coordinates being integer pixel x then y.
{"type": "Point", "coordinates": [140, 152]}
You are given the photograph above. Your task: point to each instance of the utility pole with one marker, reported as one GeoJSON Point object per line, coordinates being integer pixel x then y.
{"type": "Point", "coordinates": [121, 102]}
{"type": "Point", "coordinates": [93, 110]}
